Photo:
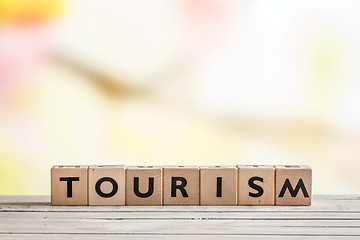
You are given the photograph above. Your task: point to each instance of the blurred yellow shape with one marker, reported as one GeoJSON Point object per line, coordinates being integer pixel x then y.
{"type": "Point", "coordinates": [13, 171]}
{"type": "Point", "coordinates": [29, 10]}
{"type": "Point", "coordinates": [325, 61]}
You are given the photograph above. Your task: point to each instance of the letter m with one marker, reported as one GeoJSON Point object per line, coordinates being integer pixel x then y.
{"type": "Point", "coordinates": [293, 193]}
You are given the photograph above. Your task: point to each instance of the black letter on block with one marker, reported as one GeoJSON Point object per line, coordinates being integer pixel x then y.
{"type": "Point", "coordinates": [181, 187]}
{"type": "Point", "coordinates": [293, 193]}
{"type": "Point", "coordinates": [69, 181]}
{"type": "Point", "coordinates": [148, 193]}
{"type": "Point", "coordinates": [101, 193]}
{"type": "Point", "coordinates": [219, 187]}
{"type": "Point", "coordinates": [256, 187]}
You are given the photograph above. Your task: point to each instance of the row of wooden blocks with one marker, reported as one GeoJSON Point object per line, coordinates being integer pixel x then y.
{"type": "Point", "coordinates": [181, 185]}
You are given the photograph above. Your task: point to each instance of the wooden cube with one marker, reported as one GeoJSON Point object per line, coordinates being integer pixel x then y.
{"type": "Point", "coordinates": [144, 185]}
{"type": "Point", "coordinates": [181, 185]}
{"type": "Point", "coordinates": [106, 185]}
{"type": "Point", "coordinates": [256, 185]}
{"type": "Point", "coordinates": [218, 185]}
{"type": "Point", "coordinates": [293, 185]}
{"type": "Point", "coordinates": [69, 185]}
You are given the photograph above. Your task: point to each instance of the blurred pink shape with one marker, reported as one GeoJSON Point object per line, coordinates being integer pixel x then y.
{"type": "Point", "coordinates": [205, 21]}
{"type": "Point", "coordinates": [22, 48]}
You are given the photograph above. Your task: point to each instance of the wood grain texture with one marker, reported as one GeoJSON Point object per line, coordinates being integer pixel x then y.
{"type": "Point", "coordinates": [116, 188]}
{"type": "Point", "coordinates": [189, 176]}
{"type": "Point", "coordinates": [76, 193]}
{"type": "Point", "coordinates": [33, 217]}
{"type": "Point", "coordinates": [296, 176]}
{"type": "Point", "coordinates": [210, 194]}
{"type": "Point", "coordinates": [141, 180]}
{"type": "Point", "coordinates": [260, 175]}
{"type": "Point", "coordinates": [170, 236]}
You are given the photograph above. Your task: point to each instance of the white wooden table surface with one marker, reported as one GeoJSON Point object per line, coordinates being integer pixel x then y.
{"type": "Point", "coordinates": [32, 217]}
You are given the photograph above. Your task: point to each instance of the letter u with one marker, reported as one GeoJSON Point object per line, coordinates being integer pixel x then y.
{"type": "Point", "coordinates": [150, 188]}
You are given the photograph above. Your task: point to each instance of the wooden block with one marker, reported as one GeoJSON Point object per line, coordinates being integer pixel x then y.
{"type": "Point", "coordinates": [181, 185]}
{"type": "Point", "coordinates": [144, 185]}
{"type": "Point", "coordinates": [218, 185]}
{"type": "Point", "coordinates": [69, 185]}
{"type": "Point", "coordinates": [256, 185]}
{"type": "Point", "coordinates": [106, 185]}
{"type": "Point", "coordinates": [293, 185]}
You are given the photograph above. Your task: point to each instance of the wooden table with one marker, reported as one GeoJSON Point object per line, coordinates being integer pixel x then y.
{"type": "Point", "coordinates": [32, 217]}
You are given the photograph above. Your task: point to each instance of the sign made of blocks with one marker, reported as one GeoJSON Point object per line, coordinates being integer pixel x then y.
{"type": "Point", "coordinates": [293, 185]}
{"type": "Point", "coordinates": [144, 185]}
{"type": "Point", "coordinates": [69, 185]}
{"type": "Point", "coordinates": [106, 184]}
{"type": "Point", "coordinates": [218, 185]}
{"type": "Point", "coordinates": [256, 185]}
{"type": "Point", "coordinates": [181, 185]}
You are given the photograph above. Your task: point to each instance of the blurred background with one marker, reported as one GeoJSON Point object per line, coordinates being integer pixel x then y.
{"type": "Point", "coordinates": [179, 82]}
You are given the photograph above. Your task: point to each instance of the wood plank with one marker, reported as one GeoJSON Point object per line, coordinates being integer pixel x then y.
{"type": "Point", "coordinates": [185, 215]}
{"type": "Point", "coordinates": [261, 222]}
{"type": "Point", "coordinates": [160, 237]}
{"type": "Point", "coordinates": [180, 227]}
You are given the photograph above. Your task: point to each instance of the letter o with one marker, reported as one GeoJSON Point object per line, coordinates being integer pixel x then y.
{"type": "Point", "coordinates": [101, 193]}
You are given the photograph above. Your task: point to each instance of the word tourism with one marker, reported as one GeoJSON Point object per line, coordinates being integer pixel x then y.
{"type": "Point", "coordinates": [181, 185]}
